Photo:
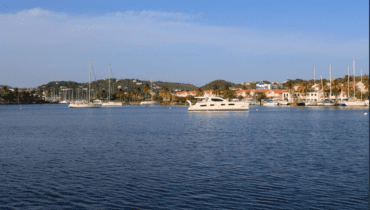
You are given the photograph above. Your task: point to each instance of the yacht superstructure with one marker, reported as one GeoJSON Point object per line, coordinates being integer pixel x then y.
{"type": "Point", "coordinates": [217, 104]}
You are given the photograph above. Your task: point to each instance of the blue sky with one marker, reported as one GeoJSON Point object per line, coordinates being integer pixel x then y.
{"type": "Point", "coordinates": [181, 41]}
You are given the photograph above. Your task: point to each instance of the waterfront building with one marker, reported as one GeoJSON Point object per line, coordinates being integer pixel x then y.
{"type": "Point", "coordinates": [263, 86]}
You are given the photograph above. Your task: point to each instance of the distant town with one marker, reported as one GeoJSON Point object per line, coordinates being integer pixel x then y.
{"type": "Point", "coordinates": [131, 91]}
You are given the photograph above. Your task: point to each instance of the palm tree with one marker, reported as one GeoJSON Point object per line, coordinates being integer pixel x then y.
{"type": "Point", "coordinates": [260, 96]}
{"type": "Point", "coordinates": [165, 93]}
{"type": "Point", "coordinates": [199, 92]}
{"type": "Point", "coordinates": [289, 85]}
{"type": "Point", "coordinates": [128, 95]}
{"type": "Point", "coordinates": [229, 94]}
{"type": "Point", "coordinates": [119, 94]}
{"type": "Point", "coordinates": [146, 88]}
{"type": "Point", "coordinates": [303, 87]}
{"type": "Point", "coordinates": [138, 92]}
{"type": "Point", "coordinates": [336, 89]}
{"type": "Point", "coordinates": [216, 90]}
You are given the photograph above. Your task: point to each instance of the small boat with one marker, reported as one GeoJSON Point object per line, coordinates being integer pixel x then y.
{"type": "Point", "coordinates": [310, 103]}
{"type": "Point", "coordinates": [270, 102]}
{"type": "Point", "coordinates": [217, 104]}
{"type": "Point", "coordinates": [327, 102]}
{"type": "Point", "coordinates": [283, 103]}
{"type": "Point", "coordinates": [64, 102]}
{"type": "Point", "coordinates": [112, 103]}
{"type": "Point", "coordinates": [148, 103]}
{"type": "Point", "coordinates": [301, 104]}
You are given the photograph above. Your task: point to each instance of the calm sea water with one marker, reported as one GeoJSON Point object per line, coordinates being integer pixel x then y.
{"type": "Point", "coordinates": [132, 157]}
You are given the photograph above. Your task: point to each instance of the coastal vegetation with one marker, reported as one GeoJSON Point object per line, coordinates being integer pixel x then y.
{"type": "Point", "coordinates": [134, 90]}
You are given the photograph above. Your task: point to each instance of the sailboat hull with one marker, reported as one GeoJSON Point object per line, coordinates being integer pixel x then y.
{"type": "Point", "coordinates": [87, 105]}
{"type": "Point", "coordinates": [111, 103]}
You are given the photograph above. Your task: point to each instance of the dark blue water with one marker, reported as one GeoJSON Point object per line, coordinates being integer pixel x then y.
{"type": "Point", "coordinates": [132, 157]}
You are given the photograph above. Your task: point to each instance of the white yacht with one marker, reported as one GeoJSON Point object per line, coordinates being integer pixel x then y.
{"type": "Point", "coordinates": [64, 102]}
{"type": "Point", "coordinates": [110, 103]}
{"type": "Point", "coordinates": [217, 104]}
{"type": "Point", "coordinates": [354, 102]}
{"type": "Point", "coordinates": [283, 102]}
{"type": "Point", "coordinates": [367, 102]}
{"type": "Point", "coordinates": [310, 103]}
{"type": "Point", "coordinates": [148, 103]}
{"type": "Point", "coordinates": [270, 102]}
{"type": "Point", "coordinates": [86, 104]}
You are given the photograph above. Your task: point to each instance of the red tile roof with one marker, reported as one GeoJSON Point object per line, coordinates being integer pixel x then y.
{"type": "Point", "coordinates": [240, 91]}
{"type": "Point", "coordinates": [278, 91]}
{"type": "Point", "coordinates": [263, 90]}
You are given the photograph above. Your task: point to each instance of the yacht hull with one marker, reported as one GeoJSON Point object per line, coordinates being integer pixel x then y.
{"type": "Point", "coordinates": [217, 110]}
{"type": "Point", "coordinates": [148, 103]}
{"type": "Point", "coordinates": [355, 103]}
{"type": "Point", "coordinates": [91, 105]}
{"type": "Point", "coordinates": [109, 104]}
{"type": "Point", "coordinates": [241, 107]}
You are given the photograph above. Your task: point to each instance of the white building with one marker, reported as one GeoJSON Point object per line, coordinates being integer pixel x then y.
{"type": "Point", "coordinates": [263, 86]}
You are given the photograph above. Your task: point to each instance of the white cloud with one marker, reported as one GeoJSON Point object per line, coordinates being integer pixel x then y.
{"type": "Point", "coordinates": [59, 37]}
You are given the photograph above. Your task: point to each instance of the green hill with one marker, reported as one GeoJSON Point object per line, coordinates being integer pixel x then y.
{"type": "Point", "coordinates": [219, 83]}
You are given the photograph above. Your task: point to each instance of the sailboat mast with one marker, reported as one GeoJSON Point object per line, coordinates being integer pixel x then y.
{"type": "Point", "coordinates": [362, 83]}
{"type": "Point", "coordinates": [322, 87]}
{"type": "Point", "coordinates": [109, 81]}
{"type": "Point", "coordinates": [348, 83]}
{"type": "Point", "coordinates": [314, 75]}
{"type": "Point", "coordinates": [354, 79]}
{"type": "Point", "coordinates": [89, 79]}
{"type": "Point", "coordinates": [330, 81]}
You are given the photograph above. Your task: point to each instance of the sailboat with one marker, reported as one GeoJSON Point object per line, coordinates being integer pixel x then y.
{"type": "Point", "coordinates": [65, 101]}
{"type": "Point", "coordinates": [111, 103]}
{"type": "Point", "coordinates": [151, 102]}
{"type": "Point", "coordinates": [86, 104]}
{"type": "Point", "coordinates": [353, 101]}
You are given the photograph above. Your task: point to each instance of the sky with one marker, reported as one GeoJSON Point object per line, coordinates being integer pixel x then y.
{"type": "Point", "coordinates": [184, 41]}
